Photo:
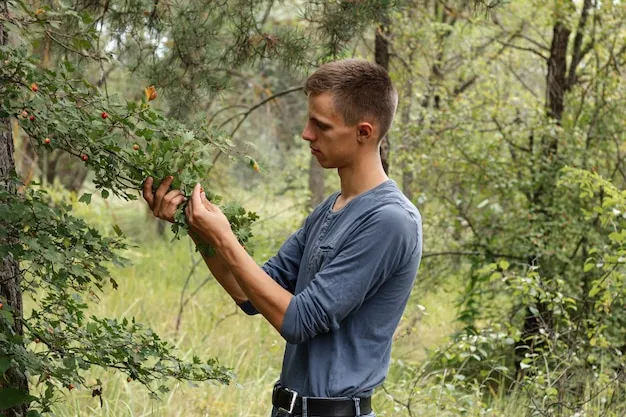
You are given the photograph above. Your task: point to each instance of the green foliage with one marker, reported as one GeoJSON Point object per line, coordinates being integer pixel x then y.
{"type": "Point", "coordinates": [484, 147]}
{"type": "Point", "coordinates": [121, 143]}
{"type": "Point", "coordinates": [64, 265]}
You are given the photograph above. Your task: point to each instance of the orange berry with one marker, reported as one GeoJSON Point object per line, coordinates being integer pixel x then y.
{"type": "Point", "coordinates": [150, 92]}
{"type": "Point", "coordinates": [70, 387]}
{"type": "Point", "coordinates": [1, 306]}
{"type": "Point", "coordinates": [24, 114]}
{"type": "Point", "coordinates": [34, 87]}
{"type": "Point", "coordinates": [46, 141]}
{"type": "Point", "coordinates": [136, 147]}
{"type": "Point", "coordinates": [129, 379]}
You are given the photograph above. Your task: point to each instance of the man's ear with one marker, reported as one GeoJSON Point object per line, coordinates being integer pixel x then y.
{"type": "Point", "coordinates": [365, 132]}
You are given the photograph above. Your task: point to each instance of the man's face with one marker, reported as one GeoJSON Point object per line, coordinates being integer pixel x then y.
{"type": "Point", "coordinates": [332, 142]}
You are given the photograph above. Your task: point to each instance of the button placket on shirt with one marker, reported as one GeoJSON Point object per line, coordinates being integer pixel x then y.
{"type": "Point", "coordinates": [313, 259]}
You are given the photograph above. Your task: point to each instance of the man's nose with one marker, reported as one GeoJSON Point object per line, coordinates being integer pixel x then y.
{"type": "Point", "coordinates": [307, 134]}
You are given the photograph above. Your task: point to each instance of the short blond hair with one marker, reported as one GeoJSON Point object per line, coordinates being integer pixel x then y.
{"type": "Point", "coordinates": [359, 88]}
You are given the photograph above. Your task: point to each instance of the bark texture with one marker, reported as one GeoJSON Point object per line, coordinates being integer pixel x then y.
{"type": "Point", "coordinates": [10, 291]}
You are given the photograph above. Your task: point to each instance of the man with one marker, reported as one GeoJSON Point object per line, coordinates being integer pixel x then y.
{"type": "Point", "coordinates": [337, 287]}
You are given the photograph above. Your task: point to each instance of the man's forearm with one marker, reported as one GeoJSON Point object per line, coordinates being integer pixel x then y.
{"type": "Point", "coordinates": [220, 270]}
{"type": "Point", "coordinates": [267, 296]}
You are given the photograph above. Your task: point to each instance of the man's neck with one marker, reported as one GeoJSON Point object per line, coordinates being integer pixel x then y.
{"type": "Point", "coordinates": [359, 178]}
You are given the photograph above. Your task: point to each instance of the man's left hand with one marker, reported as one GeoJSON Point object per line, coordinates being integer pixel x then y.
{"type": "Point", "coordinates": [206, 220]}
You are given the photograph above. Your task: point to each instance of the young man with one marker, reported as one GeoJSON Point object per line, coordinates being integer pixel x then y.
{"type": "Point", "coordinates": [337, 287]}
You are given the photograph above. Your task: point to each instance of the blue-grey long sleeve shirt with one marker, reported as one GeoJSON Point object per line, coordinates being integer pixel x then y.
{"type": "Point", "coordinates": [351, 272]}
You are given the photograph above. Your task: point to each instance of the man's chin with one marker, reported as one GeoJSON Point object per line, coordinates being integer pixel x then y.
{"type": "Point", "coordinates": [326, 164]}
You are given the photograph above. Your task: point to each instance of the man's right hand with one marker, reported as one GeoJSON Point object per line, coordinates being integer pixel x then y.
{"type": "Point", "coordinates": [163, 203]}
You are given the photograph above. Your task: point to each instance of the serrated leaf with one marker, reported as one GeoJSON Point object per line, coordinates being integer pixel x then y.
{"type": "Point", "coordinates": [85, 198]}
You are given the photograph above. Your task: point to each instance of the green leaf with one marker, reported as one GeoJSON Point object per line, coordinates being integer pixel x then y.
{"type": "Point", "coordinates": [33, 413]}
{"type": "Point", "coordinates": [5, 363]}
{"type": "Point", "coordinates": [117, 230]}
{"type": "Point", "coordinates": [85, 198]}
{"type": "Point", "coordinates": [11, 397]}
{"type": "Point", "coordinates": [104, 194]}
{"type": "Point", "coordinates": [594, 291]}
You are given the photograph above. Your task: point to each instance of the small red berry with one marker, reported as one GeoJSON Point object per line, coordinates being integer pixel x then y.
{"type": "Point", "coordinates": [84, 157]}
{"type": "Point", "coordinates": [70, 387]}
{"type": "Point", "coordinates": [46, 141]}
{"type": "Point", "coordinates": [136, 147]}
{"type": "Point", "coordinates": [1, 306]}
{"type": "Point", "coordinates": [105, 115]}
{"type": "Point", "coordinates": [32, 118]}
{"type": "Point", "coordinates": [34, 87]}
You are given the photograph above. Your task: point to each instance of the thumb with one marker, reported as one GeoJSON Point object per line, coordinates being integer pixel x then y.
{"type": "Point", "coordinates": [205, 201]}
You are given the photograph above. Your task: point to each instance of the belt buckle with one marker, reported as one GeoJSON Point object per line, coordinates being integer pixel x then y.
{"type": "Point", "coordinates": [292, 402]}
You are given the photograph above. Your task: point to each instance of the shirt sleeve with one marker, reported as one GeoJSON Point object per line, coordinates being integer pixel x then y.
{"type": "Point", "coordinates": [380, 245]}
{"type": "Point", "coordinates": [283, 267]}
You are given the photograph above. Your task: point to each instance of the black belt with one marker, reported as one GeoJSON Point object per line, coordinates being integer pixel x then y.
{"type": "Point", "coordinates": [290, 402]}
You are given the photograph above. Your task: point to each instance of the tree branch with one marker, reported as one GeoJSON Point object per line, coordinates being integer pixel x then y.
{"type": "Point", "coordinates": [247, 113]}
{"type": "Point", "coordinates": [578, 41]}
{"type": "Point", "coordinates": [523, 48]}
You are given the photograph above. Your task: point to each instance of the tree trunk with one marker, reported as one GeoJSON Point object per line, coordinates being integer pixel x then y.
{"type": "Point", "coordinates": [382, 58]}
{"type": "Point", "coordinates": [547, 166]}
{"type": "Point", "coordinates": [10, 291]}
{"type": "Point", "coordinates": [316, 183]}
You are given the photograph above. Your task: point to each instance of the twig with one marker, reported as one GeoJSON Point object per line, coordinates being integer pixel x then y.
{"type": "Point", "coordinates": [69, 48]}
{"type": "Point", "coordinates": [248, 112]}
{"type": "Point", "coordinates": [182, 293]}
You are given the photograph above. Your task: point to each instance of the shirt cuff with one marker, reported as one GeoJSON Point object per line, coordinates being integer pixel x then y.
{"type": "Point", "coordinates": [248, 308]}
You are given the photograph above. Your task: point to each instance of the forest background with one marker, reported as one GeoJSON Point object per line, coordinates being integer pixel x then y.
{"type": "Point", "coordinates": [508, 138]}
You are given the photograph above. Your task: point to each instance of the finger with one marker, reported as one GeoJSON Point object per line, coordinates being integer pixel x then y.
{"type": "Point", "coordinates": [177, 201]}
{"type": "Point", "coordinates": [170, 204]}
{"type": "Point", "coordinates": [205, 201]}
{"type": "Point", "coordinates": [160, 193]}
{"type": "Point", "coordinates": [195, 197]}
{"type": "Point", "coordinates": [165, 185]}
{"type": "Point", "coordinates": [167, 200]}
{"type": "Point", "coordinates": [147, 191]}
{"type": "Point", "coordinates": [188, 213]}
